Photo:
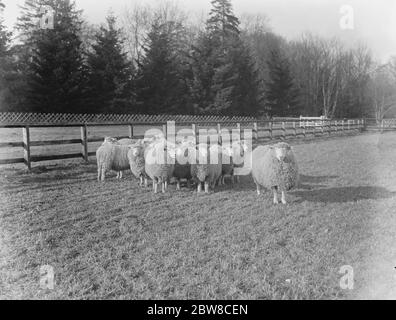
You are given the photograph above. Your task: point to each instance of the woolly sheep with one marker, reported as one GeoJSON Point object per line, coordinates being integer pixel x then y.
{"type": "Point", "coordinates": [207, 173]}
{"type": "Point", "coordinates": [236, 150]}
{"type": "Point", "coordinates": [157, 163]}
{"type": "Point", "coordinates": [111, 156]}
{"type": "Point", "coordinates": [275, 167]}
{"type": "Point", "coordinates": [185, 151]}
{"type": "Point", "coordinates": [127, 142]}
{"type": "Point", "coordinates": [137, 162]}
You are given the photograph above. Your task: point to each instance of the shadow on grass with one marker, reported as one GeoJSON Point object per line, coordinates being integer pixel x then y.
{"type": "Point", "coordinates": [315, 179]}
{"type": "Point", "coordinates": [344, 194]}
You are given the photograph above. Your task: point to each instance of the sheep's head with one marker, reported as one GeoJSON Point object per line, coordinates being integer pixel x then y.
{"type": "Point", "coordinates": [110, 140]}
{"type": "Point", "coordinates": [137, 150]}
{"type": "Point", "coordinates": [282, 151]}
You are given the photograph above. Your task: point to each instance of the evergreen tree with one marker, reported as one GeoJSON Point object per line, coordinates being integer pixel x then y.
{"type": "Point", "coordinates": [281, 94]}
{"type": "Point", "coordinates": [54, 57]}
{"type": "Point", "coordinates": [110, 72]}
{"type": "Point", "coordinates": [160, 87]}
{"type": "Point", "coordinates": [224, 79]}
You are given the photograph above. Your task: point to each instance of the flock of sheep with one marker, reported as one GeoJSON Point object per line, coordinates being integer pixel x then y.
{"type": "Point", "coordinates": [272, 167]}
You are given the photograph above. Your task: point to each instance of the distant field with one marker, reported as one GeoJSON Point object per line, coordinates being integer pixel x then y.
{"type": "Point", "coordinates": [116, 240]}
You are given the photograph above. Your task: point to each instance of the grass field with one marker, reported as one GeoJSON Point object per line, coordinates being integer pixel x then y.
{"type": "Point", "coordinates": [116, 240]}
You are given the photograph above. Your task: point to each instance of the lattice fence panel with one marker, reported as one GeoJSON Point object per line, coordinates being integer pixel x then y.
{"type": "Point", "coordinates": [10, 118]}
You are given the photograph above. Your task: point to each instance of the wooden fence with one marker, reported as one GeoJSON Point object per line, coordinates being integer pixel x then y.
{"type": "Point", "coordinates": [263, 132]}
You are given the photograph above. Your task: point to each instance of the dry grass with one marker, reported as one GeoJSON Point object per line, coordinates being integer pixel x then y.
{"type": "Point", "coordinates": [115, 240]}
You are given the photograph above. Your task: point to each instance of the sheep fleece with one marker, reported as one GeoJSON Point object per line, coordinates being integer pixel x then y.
{"type": "Point", "coordinates": [156, 172]}
{"type": "Point", "coordinates": [269, 172]}
{"type": "Point", "coordinates": [113, 157]}
{"type": "Point", "coordinates": [137, 163]}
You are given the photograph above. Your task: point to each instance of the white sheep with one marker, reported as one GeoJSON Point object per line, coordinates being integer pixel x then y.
{"type": "Point", "coordinates": [128, 141]}
{"type": "Point", "coordinates": [232, 152]}
{"type": "Point", "coordinates": [209, 171]}
{"type": "Point", "coordinates": [112, 156]}
{"type": "Point", "coordinates": [185, 155]}
{"type": "Point", "coordinates": [275, 167]}
{"type": "Point", "coordinates": [137, 162]}
{"type": "Point", "coordinates": [158, 163]}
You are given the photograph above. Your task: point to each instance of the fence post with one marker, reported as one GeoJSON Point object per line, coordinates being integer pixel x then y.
{"type": "Point", "coordinates": [84, 142]}
{"type": "Point", "coordinates": [240, 131]}
{"type": "Point", "coordinates": [255, 132]}
{"type": "Point", "coordinates": [342, 124]}
{"type": "Point", "coordinates": [336, 125]}
{"type": "Point", "coordinates": [220, 138]}
{"type": "Point", "coordinates": [26, 146]}
{"type": "Point", "coordinates": [165, 131]}
{"type": "Point", "coordinates": [295, 129]}
{"type": "Point", "coordinates": [131, 131]}
{"type": "Point", "coordinates": [305, 130]}
{"type": "Point", "coordinates": [329, 126]}
{"type": "Point", "coordinates": [284, 130]}
{"type": "Point", "coordinates": [271, 130]}
{"type": "Point", "coordinates": [195, 132]}
{"type": "Point", "coordinates": [323, 125]}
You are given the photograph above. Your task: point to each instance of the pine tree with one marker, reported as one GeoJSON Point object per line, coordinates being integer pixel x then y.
{"type": "Point", "coordinates": [54, 58]}
{"type": "Point", "coordinates": [281, 94]}
{"type": "Point", "coordinates": [110, 72]}
{"type": "Point", "coordinates": [224, 78]}
{"type": "Point", "coordinates": [160, 87]}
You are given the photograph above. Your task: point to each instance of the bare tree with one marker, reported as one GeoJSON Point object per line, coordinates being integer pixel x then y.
{"type": "Point", "coordinates": [137, 21]}
{"type": "Point", "coordinates": [383, 89]}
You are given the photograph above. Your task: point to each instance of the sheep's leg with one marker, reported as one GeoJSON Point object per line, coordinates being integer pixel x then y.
{"type": "Point", "coordinates": [166, 185]}
{"type": "Point", "coordinates": [188, 183]}
{"type": "Point", "coordinates": [146, 182]}
{"type": "Point", "coordinates": [99, 173]}
{"type": "Point", "coordinates": [155, 186]}
{"type": "Point", "coordinates": [103, 175]}
{"type": "Point", "coordinates": [275, 191]}
{"type": "Point", "coordinates": [237, 179]}
{"type": "Point", "coordinates": [141, 181]}
{"type": "Point", "coordinates": [120, 175]}
{"type": "Point", "coordinates": [258, 189]}
{"type": "Point", "coordinates": [178, 185]}
{"type": "Point", "coordinates": [199, 187]}
{"type": "Point", "coordinates": [284, 197]}
{"type": "Point", "coordinates": [206, 187]}
{"type": "Point", "coordinates": [163, 187]}
{"type": "Point", "coordinates": [232, 179]}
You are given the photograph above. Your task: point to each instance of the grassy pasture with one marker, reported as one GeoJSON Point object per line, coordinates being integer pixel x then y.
{"type": "Point", "coordinates": [116, 240]}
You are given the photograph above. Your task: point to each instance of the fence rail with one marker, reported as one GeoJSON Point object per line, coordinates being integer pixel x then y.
{"type": "Point", "coordinates": [263, 131]}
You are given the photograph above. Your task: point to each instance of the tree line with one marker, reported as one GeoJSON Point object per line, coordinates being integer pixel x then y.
{"type": "Point", "coordinates": [160, 60]}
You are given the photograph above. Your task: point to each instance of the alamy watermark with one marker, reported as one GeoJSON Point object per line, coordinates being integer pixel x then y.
{"type": "Point", "coordinates": [347, 21]}
{"type": "Point", "coordinates": [347, 281]}
{"type": "Point", "coordinates": [46, 20]}
{"type": "Point", "coordinates": [47, 277]}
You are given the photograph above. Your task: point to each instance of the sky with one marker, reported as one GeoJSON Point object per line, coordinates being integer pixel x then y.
{"type": "Point", "coordinates": [374, 20]}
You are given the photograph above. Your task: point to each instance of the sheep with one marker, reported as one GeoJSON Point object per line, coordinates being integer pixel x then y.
{"type": "Point", "coordinates": [207, 172]}
{"type": "Point", "coordinates": [137, 162]}
{"type": "Point", "coordinates": [112, 156]}
{"type": "Point", "coordinates": [184, 153]}
{"type": "Point", "coordinates": [275, 167]}
{"type": "Point", "coordinates": [236, 150]}
{"type": "Point", "coordinates": [157, 163]}
{"type": "Point", "coordinates": [127, 142]}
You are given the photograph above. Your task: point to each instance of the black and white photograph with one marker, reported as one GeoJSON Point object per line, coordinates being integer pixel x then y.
{"type": "Point", "coordinates": [221, 151]}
